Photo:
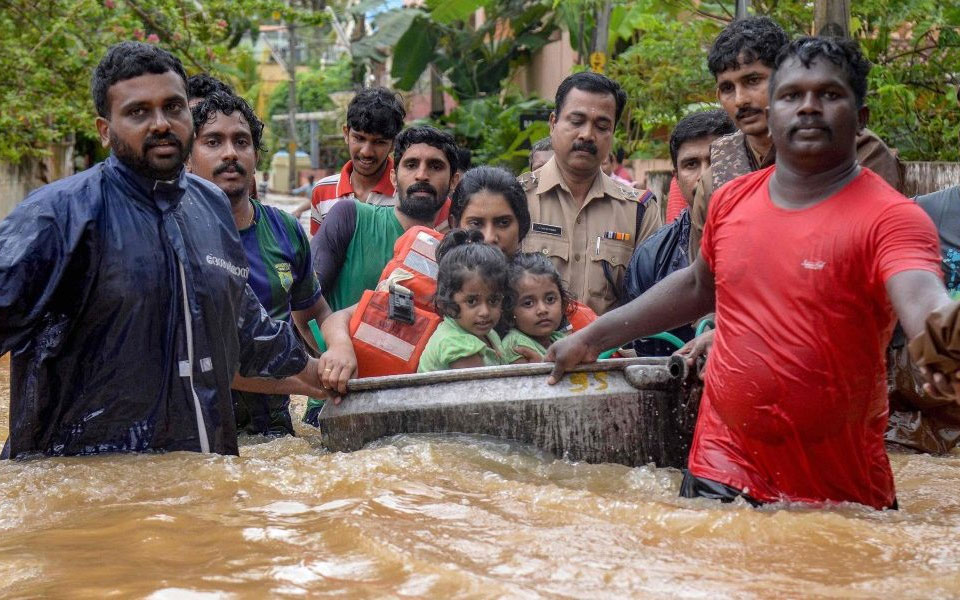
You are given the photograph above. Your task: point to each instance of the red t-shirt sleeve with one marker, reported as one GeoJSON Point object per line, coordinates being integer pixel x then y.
{"type": "Point", "coordinates": [905, 239]}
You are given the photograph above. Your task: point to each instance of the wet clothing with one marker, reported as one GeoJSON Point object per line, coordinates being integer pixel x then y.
{"type": "Point", "coordinates": [917, 420]}
{"type": "Point", "coordinates": [943, 207]}
{"type": "Point", "coordinates": [351, 250]}
{"type": "Point", "coordinates": [515, 337]}
{"type": "Point", "coordinates": [125, 304]}
{"type": "Point", "coordinates": [332, 189]}
{"type": "Point", "coordinates": [659, 255]}
{"type": "Point", "coordinates": [282, 277]}
{"type": "Point", "coordinates": [794, 404]}
{"type": "Point", "coordinates": [450, 342]}
{"type": "Point", "coordinates": [731, 156]}
{"type": "Point", "coordinates": [582, 240]}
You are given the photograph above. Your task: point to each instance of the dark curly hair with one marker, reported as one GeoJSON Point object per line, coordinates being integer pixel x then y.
{"type": "Point", "coordinates": [595, 83]}
{"type": "Point", "coordinates": [750, 39]}
{"type": "Point", "coordinates": [376, 110]}
{"type": "Point", "coordinates": [535, 263]}
{"type": "Point", "coordinates": [463, 253]}
{"type": "Point", "coordinates": [497, 181]}
{"type": "Point", "coordinates": [431, 136]}
{"type": "Point", "coordinates": [127, 60]}
{"type": "Point", "coordinates": [202, 85]}
{"type": "Point", "coordinates": [698, 125]}
{"type": "Point", "coordinates": [222, 102]}
{"type": "Point", "coordinates": [842, 52]}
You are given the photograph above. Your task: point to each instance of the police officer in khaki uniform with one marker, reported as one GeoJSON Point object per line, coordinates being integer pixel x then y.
{"type": "Point", "coordinates": [587, 223]}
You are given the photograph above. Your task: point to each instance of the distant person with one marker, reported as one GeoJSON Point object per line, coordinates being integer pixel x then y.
{"type": "Point", "coordinates": [619, 169]}
{"type": "Point", "coordinates": [264, 186]}
{"type": "Point", "coordinates": [584, 221]}
{"type": "Point", "coordinates": [741, 60]}
{"type": "Point", "coordinates": [607, 167]}
{"type": "Point", "coordinates": [540, 153]}
{"type": "Point", "coordinates": [374, 118]}
{"type": "Point", "coordinates": [305, 189]}
{"type": "Point", "coordinates": [351, 250]}
{"type": "Point", "coordinates": [123, 289]}
{"type": "Point", "coordinates": [668, 249]}
{"type": "Point", "coordinates": [808, 263]}
{"type": "Point", "coordinates": [226, 151]}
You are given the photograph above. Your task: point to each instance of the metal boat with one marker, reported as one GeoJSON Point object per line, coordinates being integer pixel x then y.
{"type": "Point", "coordinates": [630, 411]}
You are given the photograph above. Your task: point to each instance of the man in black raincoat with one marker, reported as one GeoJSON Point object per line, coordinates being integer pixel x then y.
{"type": "Point", "coordinates": [123, 294]}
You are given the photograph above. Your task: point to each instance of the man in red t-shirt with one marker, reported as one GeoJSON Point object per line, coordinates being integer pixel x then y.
{"type": "Point", "coordinates": [807, 264]}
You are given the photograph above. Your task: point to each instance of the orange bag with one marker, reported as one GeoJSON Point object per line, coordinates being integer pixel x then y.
{"type": "Point", "coordinates": [414, 265]}
{"type": "Point", "coordinates": [383, 345]}
{"type": "Point", "coordinates": [580, 315]}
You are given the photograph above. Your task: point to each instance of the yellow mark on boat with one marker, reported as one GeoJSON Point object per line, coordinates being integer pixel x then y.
{"type": "Point", "coordinates": [580, 382]}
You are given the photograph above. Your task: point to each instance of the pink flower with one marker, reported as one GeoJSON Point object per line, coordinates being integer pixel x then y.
{"type": "Point", "coordinates": [153, 38]}
{"type": "Point", "coordinates": [138, 33]}
{"type": "Point", "coordinates": [109, 4]}
{"type": "Point", "coordinates": [222, 24]}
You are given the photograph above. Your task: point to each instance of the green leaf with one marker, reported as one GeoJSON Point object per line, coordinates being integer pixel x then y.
{"type": "Point", "coordinates": [411, 55]}
{"type": "Point", "coordinates": [449, 11]}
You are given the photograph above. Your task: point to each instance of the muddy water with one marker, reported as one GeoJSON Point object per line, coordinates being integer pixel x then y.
{"type": "Point", "coordinates": [447, 517]}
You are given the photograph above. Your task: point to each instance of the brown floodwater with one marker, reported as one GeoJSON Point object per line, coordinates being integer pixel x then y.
{"type": "Point", "coordinates": [447, 517]}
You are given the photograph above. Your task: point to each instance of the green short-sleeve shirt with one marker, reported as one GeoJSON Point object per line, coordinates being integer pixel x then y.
{"type": "Point", "coordinates": [515, 337]}
{"type": "Point", "coordinates": [450, 342]}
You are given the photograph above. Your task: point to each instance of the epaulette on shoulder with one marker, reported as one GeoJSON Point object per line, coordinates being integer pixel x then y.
{"type": "Point", "coordinates": [630, 193]}
{"type": "Point", "coordinates": [528, 181]}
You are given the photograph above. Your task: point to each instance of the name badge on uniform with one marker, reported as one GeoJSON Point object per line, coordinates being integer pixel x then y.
{"type": "Point", "coordinates": [548, 229]}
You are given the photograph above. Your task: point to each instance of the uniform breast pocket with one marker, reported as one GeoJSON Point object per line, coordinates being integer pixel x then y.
{"type": "Point", "coordinates": [607, 267]}
{"type": "Point", "coordinates": [557, 248]}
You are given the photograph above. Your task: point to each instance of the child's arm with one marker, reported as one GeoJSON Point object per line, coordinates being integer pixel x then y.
{"type": "Point", "coordinates": [527, 355]}
{"type": "Point", "coordinates": [474, 360]}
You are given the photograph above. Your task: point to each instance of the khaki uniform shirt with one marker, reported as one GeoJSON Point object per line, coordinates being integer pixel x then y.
{"type": "Point", "coordinates": [731, 156]}
{"type": "Point", "coordinates": [573, 235]}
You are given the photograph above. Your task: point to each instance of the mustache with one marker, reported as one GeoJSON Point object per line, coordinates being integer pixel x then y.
{"type": "Point", "coordinates": [160, 140]}
{"type": "Point", "coordinates": [584, 147]}
{"type": "Point", "coordinates": [422, 187]}
{"type": "Point", "coordinates": [747, 111]}
{"type": "Point", "coordinates": [223, 167]}
{"type": "Point", "coordinates": [811, 123]}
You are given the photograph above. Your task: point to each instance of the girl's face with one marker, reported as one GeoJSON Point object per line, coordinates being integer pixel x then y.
{"type": "Point", "coordinates": [539, 309]}
{"type": "Point", "coordinates": [490, 214]}
{"type": "Point", "coordinates": [479, 305]}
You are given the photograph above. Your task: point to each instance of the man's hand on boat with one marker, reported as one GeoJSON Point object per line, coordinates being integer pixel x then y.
{"type": "Point", "coordinates": [697, 347]}
{"type": "Point", "coordinates": [305, 383]}
{"type": "Point", "coordinates": [569, 352]}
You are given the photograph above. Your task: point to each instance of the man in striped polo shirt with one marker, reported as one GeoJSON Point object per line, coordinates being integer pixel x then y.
{"type": "Point", "coordinates": [374, 118]}
{"type": "Point", "coordinates": [226, 150]}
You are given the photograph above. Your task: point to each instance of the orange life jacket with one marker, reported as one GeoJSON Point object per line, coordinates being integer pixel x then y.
{"type": "Point", "coordinates": [386, 346]}
{"type": "Point", "coordinates": [414, 265]}
{"type": "Point", "coordinates": [580, 315]}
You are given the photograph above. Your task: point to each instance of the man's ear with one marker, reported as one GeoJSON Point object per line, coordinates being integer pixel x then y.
{"type": "Point", "coordinates": [552, 120]}
{"type": "Point", "coordinates": [863, 117]}
{"type": "Point", "coordinates": [103, 130]}
{"type": "Point", "coordinates": [454, 182]}
{"type": "Point", "coordinates": [393, 178]}
{"type": "Point", "coordinates": [346, 134]}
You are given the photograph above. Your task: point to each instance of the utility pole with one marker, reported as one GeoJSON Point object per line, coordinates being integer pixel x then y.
{"type": "Point", "coordinates": [601, 37]}
{"type": "Point", "coordinates": [832, 18]}
{"type": "Point", "coordinates": [743, 8]}
{"type": "Point", "coordinates": [292, 104]}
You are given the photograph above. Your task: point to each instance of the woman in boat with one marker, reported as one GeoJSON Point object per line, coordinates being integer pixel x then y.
{"type": "Point", "coordinates": [489, 200]}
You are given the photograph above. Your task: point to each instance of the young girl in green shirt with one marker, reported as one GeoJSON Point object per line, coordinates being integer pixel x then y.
{"type": "Point", "coordinates": [472, 292]}
{"type": "Point", "coordinates": [541, 302]}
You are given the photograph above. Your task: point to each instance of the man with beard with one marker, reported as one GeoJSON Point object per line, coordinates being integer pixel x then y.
{"type": "Point", "coordinates": [123, 293]}
{"type": "Point", "coordinates": [374, 118]}
{"type": "Point", "coordinates": [741, 61]}
{"type": "Point", "coordinates": [225, 152]}
{"type": "Point", "coordinates": [808, 264]}
{"type": "Point", "coordinates": [356, 240]}
{"type": "Point", "coordinates": [585, 222]}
